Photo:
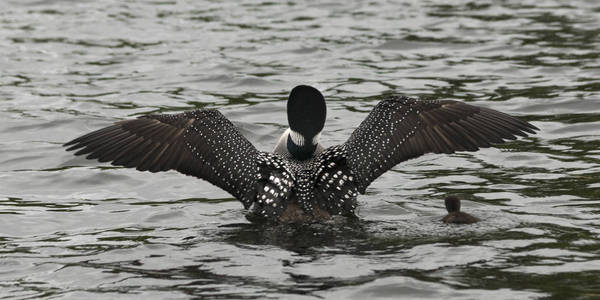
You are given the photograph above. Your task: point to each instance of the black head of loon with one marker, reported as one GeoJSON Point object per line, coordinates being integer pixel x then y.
{"type": "Point", "coordinates": [284, 185]}
{"type": "Point", "coordinates": [454, 215]}
{"type": "Point", "coordinates": [306, 111]}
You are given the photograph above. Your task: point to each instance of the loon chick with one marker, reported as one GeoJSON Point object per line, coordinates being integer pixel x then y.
{"type": "Point", "coordinates": [454, 215]}
{"type": "Point", "coordinates": [300, 181]}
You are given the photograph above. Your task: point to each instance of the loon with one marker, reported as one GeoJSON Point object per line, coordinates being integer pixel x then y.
{"type": "Point", "coordinates": [301, 180]}
{"type": "Point", "coordinates": [454, 215]}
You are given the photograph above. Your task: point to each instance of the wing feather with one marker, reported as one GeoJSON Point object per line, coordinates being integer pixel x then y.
{"type": "Point", "coordinates": [401, 128]}
{"type": "Point", "coordinates": [201, 143]}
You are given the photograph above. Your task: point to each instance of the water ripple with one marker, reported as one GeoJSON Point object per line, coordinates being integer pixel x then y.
{"type": "Point", "coordinates": [75, 228]}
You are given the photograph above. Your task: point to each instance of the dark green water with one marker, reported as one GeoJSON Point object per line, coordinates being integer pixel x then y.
{"type": "Point", "coordinates": [74, 229]}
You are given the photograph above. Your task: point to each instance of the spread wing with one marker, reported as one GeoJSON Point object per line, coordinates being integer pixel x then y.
{"type": "Point", "coordinates": [201, 143]}
{"type": "Point", "coordinates": [401, 128]}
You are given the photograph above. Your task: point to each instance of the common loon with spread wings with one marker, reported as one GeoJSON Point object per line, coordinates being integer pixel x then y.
{"type": "Point", "coordinates": [300, 181]}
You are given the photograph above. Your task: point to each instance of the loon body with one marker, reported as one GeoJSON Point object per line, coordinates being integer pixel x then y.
{"type": "Point", "coordinates": [300, 181]}
{"type": "Point", "coordinates": [454, 215]}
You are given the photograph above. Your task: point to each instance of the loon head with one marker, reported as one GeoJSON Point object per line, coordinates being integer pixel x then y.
{"type": "Point", "coordinates": [306, 112]}
{"type": "Point", "coordinates": [452, 204]}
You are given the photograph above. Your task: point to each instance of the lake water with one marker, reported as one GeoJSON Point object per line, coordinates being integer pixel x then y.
{"type": "Point", "coordinates": [73, 229]}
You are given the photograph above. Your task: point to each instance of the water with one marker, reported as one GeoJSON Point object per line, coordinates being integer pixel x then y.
{"type": "Point", "coordinates": [71, 228]}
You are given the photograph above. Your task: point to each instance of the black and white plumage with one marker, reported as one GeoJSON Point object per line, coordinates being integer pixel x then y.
{"type": "Point", "coordinates": [301, 180]}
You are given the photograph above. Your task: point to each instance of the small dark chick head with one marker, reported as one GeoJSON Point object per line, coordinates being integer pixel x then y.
{"type": "Point", "coordinates": [306, 112]}
{"type": "Point", "coordinates": [452, 204]}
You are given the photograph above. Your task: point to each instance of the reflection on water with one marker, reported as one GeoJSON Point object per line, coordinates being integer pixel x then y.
{"type": "Point", "coordinates": [76, 228]}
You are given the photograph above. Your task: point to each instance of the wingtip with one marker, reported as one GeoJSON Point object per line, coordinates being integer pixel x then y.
{"type": "Point", "coordinates": [529, 128]}
{"type": "Point", "coordinates": [71, 142]}
{"type": "Point", "coordinates": [72, 145]}
{"type": "Point", "coordinates": [533, 127]}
